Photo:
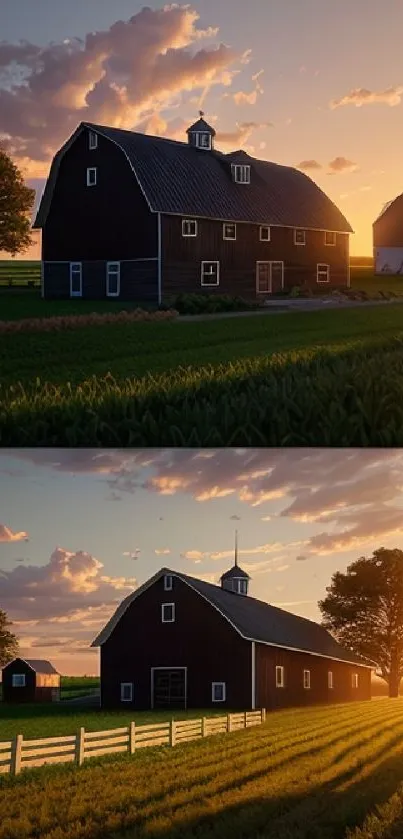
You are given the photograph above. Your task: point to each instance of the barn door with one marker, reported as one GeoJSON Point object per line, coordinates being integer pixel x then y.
{"type": "Point", "coordinates": [263, 279]}
{"type": "Point", "coordinates": [277, 276]}
{"type": "Point", "coordinates": [169, 687]}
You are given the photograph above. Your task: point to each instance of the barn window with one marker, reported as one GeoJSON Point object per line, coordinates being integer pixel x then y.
{"type": "Point", "coordinates": [279, 677]}
{"type": "Point", "coordinates": [168, 582]}
{"type": "Point", "coordinates": [18, 680]}
{"type": "Point", "coordinates": [203, 140]}
{"type": "Point", "coordinates": [76, 279]}
{"type": "Point", "coordinates": [241, 586]}
{"type": "Point", "coordinates": [307, 679]}
{"type": "Point", "coordinates": [92, 176]}
{"type": "Point", "coordinates": [299, 237]}
{"type": "Point", "coordinates": [330, 680]}
{"type": "Point", "coordinates": [189, 227]}
{"type": "Point", "coordinates": [322, 273]}
{"type": "Point", "coordinates": [210, 273]}
{"type": "Point", "coordinates": [355, 680]}
{"type": "Point", "coordinates": [241, 174]}
{"type": "Point", "coordinates": [229, 231]}
{"type": "Point", "coordinates": [264, 234]}
{"type": "Point", "coordinates": [112, 279]}
{"type": "Point", "coordinates": [93, 140]}
{"type": "Point", "coordinates": [168, 612]}
{"type": "Point", "coordinates": [218, 691]}
{"type": "Point", "coordinates": [126, 691]}
{"type": "Point", "coordinates": [330, 238]}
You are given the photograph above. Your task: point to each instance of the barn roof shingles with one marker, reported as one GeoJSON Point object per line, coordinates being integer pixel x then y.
{"type": "Point", "coordinates": [40, 665]}
{"type": "Point", "coordinates": [179, 179]}
{"type": "Point", "coordinates": [253, 619]}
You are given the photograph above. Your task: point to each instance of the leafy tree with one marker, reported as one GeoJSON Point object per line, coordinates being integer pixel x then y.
{"type": "Point", "coordinates": [16, 202]}
{"type": "Point", "coordinates": [8, 641]}
{"type": "Point", "coordinates": [364, 611]}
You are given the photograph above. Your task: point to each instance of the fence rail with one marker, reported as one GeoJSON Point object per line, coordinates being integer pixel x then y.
{"type": "Point", "coordinates": [18, 754]}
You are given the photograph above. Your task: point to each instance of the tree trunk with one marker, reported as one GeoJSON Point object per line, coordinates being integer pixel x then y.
{"type": "Point", "coordinates": [394, 682]}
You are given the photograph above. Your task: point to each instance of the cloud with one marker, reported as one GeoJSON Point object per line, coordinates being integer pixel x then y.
{"type": "Point", "coordinates": [67, 583]}
{"type": "Point", "coordinates": [243, 98]}
{"type": "Point", "coordinates": [309, 164]}
{"type": "Point", "coordinates": [360, 96]}
{"type": "Point", "coordinates": [7, 535]}
{"type": "Point", "coordinates": [240, 136]}
{"type": "Point", "coordinates": [341, 164]}
{"type": "Point", "coordinates": [235, 518]}
{"type": "Point", "coordinates": [117, 76]}
{"type": "Point", "coordinates": [162, 551]}
{"type": "Point", "coordinates": [132, 554]}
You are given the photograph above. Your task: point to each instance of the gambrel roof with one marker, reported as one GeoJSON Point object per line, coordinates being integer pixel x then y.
{"type": "Point", "coordinates": [179, 179]}
{"type": "Point", "coordinates": [40, 665]}
{"type": "Point", "coordinates": [253, 619]}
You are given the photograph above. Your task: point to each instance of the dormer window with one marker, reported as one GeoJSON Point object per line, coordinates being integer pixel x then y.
{"type": "Point", "coordinates": [241, 586]}
{"type": "Point", "coordinates": [203, 141]}
{"type": "Point", "coordinates": [241, 174]}
{"type": "Point", "coordinates": [92, 140]}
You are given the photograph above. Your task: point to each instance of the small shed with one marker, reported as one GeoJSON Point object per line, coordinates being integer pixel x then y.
{"type": "Point", "coordinates": [30, 680]}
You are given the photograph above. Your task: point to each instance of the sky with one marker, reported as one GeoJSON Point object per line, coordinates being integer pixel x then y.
{"type": "Point", "coordinates": [306, 83]}
{"type": "Point", "coordinates": [81, 529]}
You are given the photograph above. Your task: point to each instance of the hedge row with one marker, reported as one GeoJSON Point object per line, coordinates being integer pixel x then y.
{"type": "Point", "coordinates": [58, 322]}
{"type": "Point", "coordinates": [319, 397]}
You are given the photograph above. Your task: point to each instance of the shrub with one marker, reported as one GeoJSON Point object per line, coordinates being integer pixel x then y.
{"type": "Point", "coordinates": [198, 304]}
{"type": "Point", "coordinates": [295, 291]}
{"type": "Point", "coordinates": [54, 324]}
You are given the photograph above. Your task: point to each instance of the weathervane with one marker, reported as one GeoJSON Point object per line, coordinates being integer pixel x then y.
{"type": "Point", "coordinates": [201, 113]}
{"type": "Point", "coordinates": [236, 548]}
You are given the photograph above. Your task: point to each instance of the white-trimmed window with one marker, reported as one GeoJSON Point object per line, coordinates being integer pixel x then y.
{"type": "Point", "coordinates": [203, 140]}
{"type": "Point", "coordinates": [168, 582]}
{"type": "Point", "coordinates": [280, 677]}
{"type": "Point", "coordinates": [307, 679]}
{"type": "Point", "coordinates": [112, 279]}
{"type": "Point", "coordinates": [168, 612]}
{"type": "Point", "coordinates": [354, 680]}
{"type": "Point", "coordinates": [241, 586]}
{"type": "Point", "coordinates": [126, 691]}
{"type": "Point", "coordinates": [299, 237]}
{"type": "Point", "coordinates": [218, 691]}
{"type": "Point", "coordinates": [76, 279]}
{"type": "Point", "coordinates": [92, 176]}
{"type": "Point", "coordinates": [210, 273]}
{"type": "Point", "coordinates": [264, 233]}
{"type": "Point", "coordinates": [18, 680]}
{"type": "Point", "coordinates": [189, 227]}
{"type": "Point", "coordinates": [92, 140]}
{"type": "Point", "coordinates": [322, 273]}
{"type": "Point", "coordinates": [330, 683]}
{"type": "Point", "coordinates": [241, 173]}
{"type": "Point", "coordinates": [330, 238]}
{"type": "Point", "coordinates": [229, 231]}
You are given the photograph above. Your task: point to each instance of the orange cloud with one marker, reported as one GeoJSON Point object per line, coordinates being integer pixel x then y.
{"type": "Point", "coordinates": [7, 535]}
{"type": "Point", "coordinates": [306, 165]}
{"type": "Point", "coordinates": [360, 96]}
{"type": "Point", "coordinates": [341, 164]}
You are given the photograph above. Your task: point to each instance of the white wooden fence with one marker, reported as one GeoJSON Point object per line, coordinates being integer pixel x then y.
{"type": "Point", "coordinates": [18, 754]}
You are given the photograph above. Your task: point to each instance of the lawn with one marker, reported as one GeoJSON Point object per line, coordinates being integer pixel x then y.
{"type": "Point", "coordinates": [319, 773]}
{"type": "Point", "coordinates": [74, 686]}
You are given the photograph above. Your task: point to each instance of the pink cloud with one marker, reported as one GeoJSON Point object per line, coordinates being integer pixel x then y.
{"type": "Point", "coordinates": [7, 535]}
{"type": "Point", "coordinates": [360, 96]}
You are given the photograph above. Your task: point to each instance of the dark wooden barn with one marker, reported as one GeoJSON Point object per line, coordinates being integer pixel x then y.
{"type": "Point", "coordinates": [179, 642]}
{"type": "Point", "coordinates": [30, 680]}
{"type": "Point", "coordinates": [388, 238]}
{"type": "Point", "coordinates": [129, 216]}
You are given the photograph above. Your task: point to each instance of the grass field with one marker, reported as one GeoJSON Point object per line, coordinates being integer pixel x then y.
{"type": "Point", "coordinates": [73, 686]}
{"type": "Point", "coordinates": [319, 773]}
{"type": "Point", "coordinates": [316, 378]}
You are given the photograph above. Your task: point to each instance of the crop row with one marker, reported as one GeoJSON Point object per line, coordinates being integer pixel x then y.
{"type": "Point", "coordinates": [335, 397]}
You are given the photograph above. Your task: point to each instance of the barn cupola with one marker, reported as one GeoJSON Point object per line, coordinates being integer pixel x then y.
{"type": "Point", "coordinates": [201, 134]}
{"type": "Point", "coordinates": [235, 580]}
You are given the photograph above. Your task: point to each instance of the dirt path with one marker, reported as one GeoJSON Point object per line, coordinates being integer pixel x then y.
{"type": "Point", "coordinates": [278, 307]}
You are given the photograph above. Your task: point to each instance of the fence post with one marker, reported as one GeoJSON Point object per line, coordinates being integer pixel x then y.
{"type": "Point", "coordinates": [80, 746]}
{"type": "Point", "coordinates": [204, 727]}
{"type": "Point", "coordinates": [229, 721]}
{"type": "Point", "coordinates": [263, 715]}
{"type": "Point", "coordinates": [132, 738]}
{"type": "Point", "coordinates": [16, 749]}
{"type": "Point", "coordinates": [172, 733]}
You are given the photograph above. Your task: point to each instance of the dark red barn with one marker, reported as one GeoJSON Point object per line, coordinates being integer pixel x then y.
{"type": "Point", "coordinates": [179, 642]}
{"type": "Point", "coordinates": [30, 680]}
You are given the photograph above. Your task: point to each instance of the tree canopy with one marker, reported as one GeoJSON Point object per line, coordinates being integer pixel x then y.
{"type": "Point", "coordinates": [364, 611]}
{"type": "Point", "coordinates": [16, 202]}
{"type": "Point", "coordinates": [8, 641]}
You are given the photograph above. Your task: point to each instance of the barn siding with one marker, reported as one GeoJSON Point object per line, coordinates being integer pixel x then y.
{"type": "Point", "coordinates": [138, 280]}
{"type": "Point", "coordinates": [388, 229]}
{"type": "Point", "coordinates": [200, 639]}
{"type": "Point", "coordinates": [294, 693]}
{"type": "Point", "coordinates": [109, 221]}
{"type": "Point", "coordinates": [182, 258]}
